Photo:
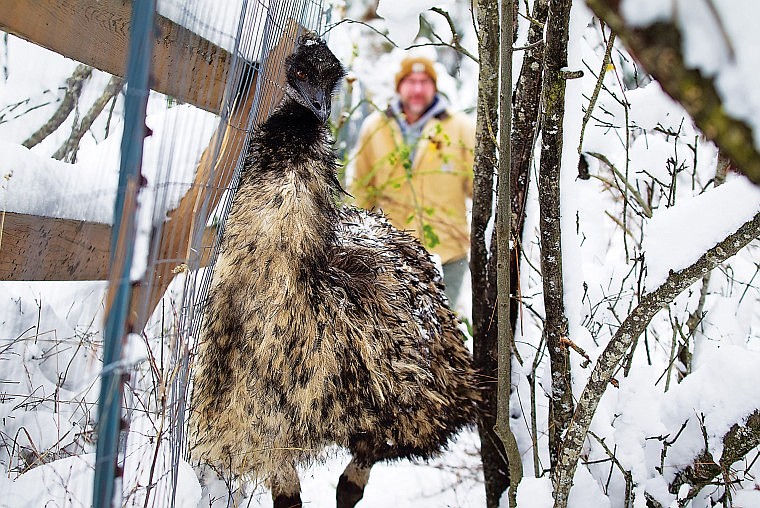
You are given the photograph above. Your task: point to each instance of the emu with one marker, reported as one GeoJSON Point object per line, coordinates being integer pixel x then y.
{"type": "Point", "coordinates": [324, 324]}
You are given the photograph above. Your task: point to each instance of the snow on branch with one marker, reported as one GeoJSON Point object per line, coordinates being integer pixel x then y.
{"type": "Point", "coordinates": [738, 442]}
{"type": "Point", "coordinates": [660, 49]}
{"type": "Point", "coordinates": [633, 326]}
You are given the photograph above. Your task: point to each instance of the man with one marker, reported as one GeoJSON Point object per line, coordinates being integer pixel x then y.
{"type": "Point", "coordinates": [414, 161]}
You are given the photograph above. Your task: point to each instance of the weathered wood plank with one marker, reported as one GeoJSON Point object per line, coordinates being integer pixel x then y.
{"type": "Point", "coordinates": [212, 177]}
{"type": "Point", "coordinates": [47, 248]}
{"type": "Point", "coordinates": [96, 32]}
{"type": "Point", "coordinates": [61, 249]}
{"type": "Point", "coordinates": [99, 37]}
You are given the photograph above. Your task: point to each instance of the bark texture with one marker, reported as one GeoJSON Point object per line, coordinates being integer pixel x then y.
{"type": "Point", "coordinates": [555, 330]}
{"type": "Point", "coordinates": [525, 124]}
{"type": "Point", "coordinates": [483, 259]}
{"type": "Point", "coordinates": [525, 119]}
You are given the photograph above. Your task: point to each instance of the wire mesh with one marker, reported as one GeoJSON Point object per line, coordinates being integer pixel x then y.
{"type": "Point", "coordinates": [219, 64]}
{"type": "Point", "coordinates": [257, 45]}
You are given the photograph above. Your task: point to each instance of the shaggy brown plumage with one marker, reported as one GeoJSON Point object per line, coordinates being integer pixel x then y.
{"type": "Point", "coordinates": [324, 324]}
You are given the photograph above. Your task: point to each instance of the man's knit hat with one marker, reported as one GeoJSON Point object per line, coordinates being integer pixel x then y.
{"type": "Point", "coordinates": [415, 64]}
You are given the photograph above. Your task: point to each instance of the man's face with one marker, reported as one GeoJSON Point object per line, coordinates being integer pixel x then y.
{"type": "Point", "coordinates": [416, 92]}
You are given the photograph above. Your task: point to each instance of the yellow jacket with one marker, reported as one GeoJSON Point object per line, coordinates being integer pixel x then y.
{"type": "Point", "coordinates": [426, 196]}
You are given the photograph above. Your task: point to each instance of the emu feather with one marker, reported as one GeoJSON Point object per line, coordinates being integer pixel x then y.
{"type": "Point", "coordinates": [324, 324]}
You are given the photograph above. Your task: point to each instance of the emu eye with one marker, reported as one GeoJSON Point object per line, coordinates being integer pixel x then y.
{"type": "Point", "coordinates": [301, 75]}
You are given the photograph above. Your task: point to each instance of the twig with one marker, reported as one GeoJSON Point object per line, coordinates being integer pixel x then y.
{"type": "Point", "coordinates": [575, 347]}
{"type": "Point", "coordinates": [658, 47]}
{"type": "Point", "coordinates": [626, 474]}
{"type": "Point", "coordinates": [69, 147]}
{"type": "Point", "coordinates": [73, 90]}
{"type": "Point", "coordinates": [722, 29]}
{"type": "Point", "coordinates": [673, 343]}
{"type": "Point", "coordinates": [630, 329]}
{"type": "Point", "coordinates": [533, 413]}
{"type": "Point", "coordinates": [378, 32]}
{"type": "Point", "coordinates": [636, 195]}
{"type": "Point", "coordinates": [620, 223]}
{"type": "Point", "coordinates": [599, 81]}
{"type": "Point", "coordinates": [455, 37]}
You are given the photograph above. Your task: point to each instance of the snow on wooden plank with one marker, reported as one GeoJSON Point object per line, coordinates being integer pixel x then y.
{"type": "Point", "coordinates": [96, 33]}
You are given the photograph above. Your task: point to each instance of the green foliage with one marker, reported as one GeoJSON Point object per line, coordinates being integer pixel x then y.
{"type": "Point", "coordinates": [430, 238]}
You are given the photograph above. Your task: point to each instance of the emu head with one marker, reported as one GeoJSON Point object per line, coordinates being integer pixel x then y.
{"type": "Point", "coordinates": [312, 74]}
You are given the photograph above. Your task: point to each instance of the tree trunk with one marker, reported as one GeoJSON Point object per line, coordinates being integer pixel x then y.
{"type": "Point", "coordinates": [502, 237]}
{"type": "Point", "coordinates": [561, 397]}
{"type": "Point", "coordinates": [482, 262]}
{"type": "Point", "coordinates": [525, 122]}
{"type": "Point", "coordinates": [526, 110]}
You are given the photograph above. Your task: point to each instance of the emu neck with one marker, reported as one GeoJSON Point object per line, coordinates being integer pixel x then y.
{"type": "Point", "coordinates": [285, 209]}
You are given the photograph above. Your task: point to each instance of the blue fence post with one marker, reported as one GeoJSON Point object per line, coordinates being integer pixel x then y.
{"type": "Point", "coordinates": [122, 243]}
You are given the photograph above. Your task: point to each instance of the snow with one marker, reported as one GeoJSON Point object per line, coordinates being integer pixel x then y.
{"type": "Point", "coordinates": [29, 175]}
{"type": "Point", "coordinates": [572, 270]}
{"type": "Point", "coordinates": [402, 19]}
{"type": "Point", "coordinates": [214, 20]}
{"type": "Point", "coordinates": [87, 190]}
{"type": "Point", "coordinates": [720, 39]}
{"type": "Point", "coordinates": [51, 332]}
{"type": "Point", "coordinates": [537, 493]}
{"type": "Point", "coordinates": [646, 12]}
{"type": "Point", "coordinates": [534, 492]}
{"type": "Point", "coordinates": [706, 397]}
{"type": "Point", "coordinates": [719, 212]}
{"type": "Point", "coordinates": [68, 482]}
{"type": "Point", "coordinates": [651, 108]}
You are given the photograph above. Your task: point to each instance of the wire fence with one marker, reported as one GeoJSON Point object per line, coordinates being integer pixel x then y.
{"type": "Point", "coordinates": [229, 81]}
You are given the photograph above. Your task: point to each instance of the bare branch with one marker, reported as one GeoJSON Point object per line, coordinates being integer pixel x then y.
{"type": "Point", "coordinates": [633, 326]}
{"type": "Point", "coordinates": [658, 48]}
{"type": "Point", "coordinates": [738, 442]}
{"type": "Point", "coordinates": [73, 89]}
{"type": "Point", "coordinates": [636, 195]}
{"type": "Point", "coordinates": [69, 148]}
{"type": "Point", "coordinates": [597, 88]}
{"type": "Point", "coordinates": [626, 473]}
{"type": "Point", "coordinates": [455, 37]}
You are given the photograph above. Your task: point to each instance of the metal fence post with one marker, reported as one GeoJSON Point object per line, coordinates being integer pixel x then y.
{"type": "Point", "coordinates": [105, 494]}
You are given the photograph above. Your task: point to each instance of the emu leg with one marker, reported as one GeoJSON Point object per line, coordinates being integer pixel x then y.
{"type": "Point", "coordinates": [351, 484]}
{"type": "Point", "coordinates": [286, 501]}
{"type": "Point", "coordinates": [286, 488]}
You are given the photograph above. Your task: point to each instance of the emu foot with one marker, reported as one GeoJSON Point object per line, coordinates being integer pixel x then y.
{"type": "Point", "coordinates": [287, 501]}
{"type": "Point", "coordinates": [348, 493]}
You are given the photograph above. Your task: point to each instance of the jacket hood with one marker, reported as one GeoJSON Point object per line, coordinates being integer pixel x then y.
{"type": "Point", "coordinates": [413, 131]}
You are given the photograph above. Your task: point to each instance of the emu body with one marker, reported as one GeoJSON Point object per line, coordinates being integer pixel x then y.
{"type": "Point", "coordinates": [324, 324]}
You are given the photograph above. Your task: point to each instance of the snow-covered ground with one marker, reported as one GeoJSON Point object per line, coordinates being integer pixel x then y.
{"type": "Point", "coordinates": [51, 332]}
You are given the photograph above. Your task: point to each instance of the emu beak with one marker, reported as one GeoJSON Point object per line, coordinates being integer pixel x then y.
{"type": "Point", "coordinates": [320, 105]}
{"type": "Point", "coordinates": [317, 100]}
